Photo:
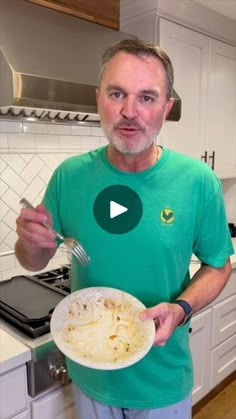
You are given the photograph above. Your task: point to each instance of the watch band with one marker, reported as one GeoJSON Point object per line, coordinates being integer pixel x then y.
{"type": "Point", "coordinates": [187, 310]}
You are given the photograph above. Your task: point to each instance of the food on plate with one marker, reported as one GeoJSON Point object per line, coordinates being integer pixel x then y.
{"type": "Point", "coordinates": [104, 329]}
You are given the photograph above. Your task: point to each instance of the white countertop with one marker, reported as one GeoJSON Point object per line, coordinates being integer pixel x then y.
{"type": "Point", "coordinates": [13, 353]}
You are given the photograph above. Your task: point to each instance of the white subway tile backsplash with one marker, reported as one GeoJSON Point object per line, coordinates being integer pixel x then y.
{"type": "Point", "coordinates": [10, 239]}
{"type": "Point", "coordinates": [34, 188]}
{"type": "Point", "coordinates": [26, 157]}
{"type": "Point", "coordinates": [3, 165]}
{"type": "Point", "coordinates": [45, 174]}
{"type": "Point", "coordinates": [3, 140]}
{"type": "Point", "coordinates": [5, 230]}
{"type": "Point", "coordinates": [6, 263]}
{"type": "Point", "coordinates": [103, 141]}
{"type": "Point", "coordinates": [35, 128]}
{"type": "Point", "coordinates": [59, 129]}
{"type": "Point", "coordinates": [10, 218]}
{"type": "Point", "coordinates": [11, 198]}
{"type": "Point", "coordinates": [15, 161]}
{"type": "Point", "coordinates": [79, 130]}
{"type": "Point", "coordinates": [3, 187]}
{"type": "Point", "coordinates": [89, 143]}
{"type": "Point", "coordinates": [97, 132]}
{"type": "Point", "coordinates": [21, 141]}
{"type": "Point", "coordinates": [10, 126]}
{"type": "Point", "coordinates": [3, 209]}
{"type": "Point", "coordinates": [32, 169]}
{"type": "Point", "coordinates": [46, 141]}
{"type": "Point", "coordinates": [13, 180]}
{"type": "Point", "coordinates": [51, 160]}
{"type": "Point", "coordinates": [69, 142]}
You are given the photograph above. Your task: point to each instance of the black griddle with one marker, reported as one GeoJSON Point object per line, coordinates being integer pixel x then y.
{"type": "Point", "coordinates": [29, 303]}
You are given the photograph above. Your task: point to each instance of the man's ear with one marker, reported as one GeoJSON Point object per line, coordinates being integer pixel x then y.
{"type": "Point", "coordinates": [97, 92]}
{"type": "Point", "coordinates": [169, 106]}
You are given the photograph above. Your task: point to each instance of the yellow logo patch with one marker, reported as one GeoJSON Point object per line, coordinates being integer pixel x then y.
{"type": "Point", "coordinates": [167, 216]}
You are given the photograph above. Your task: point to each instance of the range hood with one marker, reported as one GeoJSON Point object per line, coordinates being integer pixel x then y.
{"type": "Point", "coordinates": [49, 64]}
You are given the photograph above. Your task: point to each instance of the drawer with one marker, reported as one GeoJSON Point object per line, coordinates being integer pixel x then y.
{"type": "Point", "coordinates": [223, 320]}
{"type": "Point", "coordinates": [223, 361]}
{"type": "Point", "coordinates": [14, 397]}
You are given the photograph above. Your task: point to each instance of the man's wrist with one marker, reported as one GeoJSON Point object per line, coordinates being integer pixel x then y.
{"type": "Point", "coordinates": [187, 311]}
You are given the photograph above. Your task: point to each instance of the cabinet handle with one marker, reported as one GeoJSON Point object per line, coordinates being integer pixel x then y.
{"type": "Point", "coordinates": [212, 160]}
{"type": "Point", "coordinates": [204, 157]}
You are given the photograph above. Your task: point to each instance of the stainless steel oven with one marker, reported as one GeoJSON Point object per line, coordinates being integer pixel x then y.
{"type": "Point", "coordinates": [26, 306]}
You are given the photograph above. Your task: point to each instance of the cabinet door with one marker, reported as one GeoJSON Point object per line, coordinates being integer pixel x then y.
{"type": "Point", "coordinates": [221, 119]}
{"type": "Point", "coordinates": [56, 404]}
{"type": "Point", "coordinates": [188, 51]}
{"type": "Point", "coordinates": [223, 361]}
{"type": "Point", "coordinates": [13, 393]}
{"type": "Point", "coordinates": [223, 320]}
{"type": "Point", "coordinates": [200, 348]}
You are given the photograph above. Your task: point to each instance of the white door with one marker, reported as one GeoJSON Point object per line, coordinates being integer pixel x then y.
{"type": "Point", "coordinates": [200, 344]}
{"type": "Point", "coordinates": [221, 125]}
{"type": "Point", "coordinates": [188, 51]}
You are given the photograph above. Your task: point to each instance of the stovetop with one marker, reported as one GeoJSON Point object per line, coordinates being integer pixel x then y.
{"type": "Point", "coordinates": [57, 285]}
{"type": "Point", "coordinates": [58, 279]}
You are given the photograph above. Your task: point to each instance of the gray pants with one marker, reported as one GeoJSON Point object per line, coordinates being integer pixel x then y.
{"type": "Point", "coordinates": [88, 408]}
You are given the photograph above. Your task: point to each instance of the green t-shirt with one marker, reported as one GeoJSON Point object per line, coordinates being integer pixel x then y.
{"type": "Point", "coordinates": [183, 213]}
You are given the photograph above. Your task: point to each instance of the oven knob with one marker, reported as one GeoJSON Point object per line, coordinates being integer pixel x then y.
{"type": "Point", "coordinates": [59, 374]}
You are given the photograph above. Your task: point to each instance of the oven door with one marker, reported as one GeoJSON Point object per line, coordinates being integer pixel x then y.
{"type": "Point", "coordinates": [46, 372]}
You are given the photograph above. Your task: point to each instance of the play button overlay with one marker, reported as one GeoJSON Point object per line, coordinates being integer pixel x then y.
{"type": "Point", "coordinates": [118, 209]}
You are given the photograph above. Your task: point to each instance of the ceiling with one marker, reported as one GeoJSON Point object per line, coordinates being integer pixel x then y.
{"type": "Point", "coordinates": [224, 7]}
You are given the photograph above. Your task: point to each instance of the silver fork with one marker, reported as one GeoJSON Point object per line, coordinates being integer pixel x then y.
{"type": "Point", "coordinates": [72, 244]}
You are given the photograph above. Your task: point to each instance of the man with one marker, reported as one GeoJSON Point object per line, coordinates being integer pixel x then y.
{"type": "Point", "coordinates": [176, 208]}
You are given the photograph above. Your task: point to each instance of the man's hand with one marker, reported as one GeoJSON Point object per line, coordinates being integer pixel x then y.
{"type": "Point", "coordinates": [167, 317]}
{"type": "Point", "coordinates": [36, 244]}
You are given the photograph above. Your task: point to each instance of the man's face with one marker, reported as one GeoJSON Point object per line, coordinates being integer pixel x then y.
{"type": "Point", "coordinates": [132, 101]}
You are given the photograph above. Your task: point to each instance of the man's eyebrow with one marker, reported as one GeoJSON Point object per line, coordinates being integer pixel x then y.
{"type": "Point", "coordinates": [114, 87]}
{"type": "Point", "coordinates": [150, 92]}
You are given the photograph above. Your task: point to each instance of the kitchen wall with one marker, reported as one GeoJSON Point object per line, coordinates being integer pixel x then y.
{"type": "Point", "coordinates": [29, 153]}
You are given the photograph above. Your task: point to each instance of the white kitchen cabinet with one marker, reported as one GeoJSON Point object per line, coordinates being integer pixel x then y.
{"type": "Point", "coordinates": [189, 52]}
{"type": "Point", "coordinates": [205, 79]}
{"type": "Point", "coordinates": [56, 404]}
{"type": "Point", "coordinates": [200, 343]}
{"type": "Point", "coordinates": [221, 120]}
{"type": "Point", "coordinates": [223, 361]}
{"type": "Point", "coordinates": [13, 394]}
{"type": "Point", "coordinates": [223, 320]}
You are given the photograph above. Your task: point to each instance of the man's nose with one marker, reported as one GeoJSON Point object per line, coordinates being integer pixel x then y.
{"type": "Point", "coordinates": [129, 108]}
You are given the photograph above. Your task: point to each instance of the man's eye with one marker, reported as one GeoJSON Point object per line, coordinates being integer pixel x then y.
{"type": "Point", "coordinates": [146, 98]}
{"type": "Point", "coordinates": [116, 95]}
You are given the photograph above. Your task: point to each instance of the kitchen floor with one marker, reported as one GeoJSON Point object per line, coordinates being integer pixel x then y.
{"type": "Point", "coordinates": [222, 406]}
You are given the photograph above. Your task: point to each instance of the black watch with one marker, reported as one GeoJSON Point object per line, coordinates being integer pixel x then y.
{"type": "Point", "coordinates": [187, 310]}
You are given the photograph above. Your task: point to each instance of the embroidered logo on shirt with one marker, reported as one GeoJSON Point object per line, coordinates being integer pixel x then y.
{"type": "Point", "coordinates": [167, 216]}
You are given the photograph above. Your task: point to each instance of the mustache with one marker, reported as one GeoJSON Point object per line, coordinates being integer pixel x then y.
{"type": "Point", "coordinates": [129, 124]}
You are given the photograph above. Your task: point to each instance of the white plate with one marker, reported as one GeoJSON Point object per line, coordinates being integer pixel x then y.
{"type": "Point", "coordinates": [100, 328]}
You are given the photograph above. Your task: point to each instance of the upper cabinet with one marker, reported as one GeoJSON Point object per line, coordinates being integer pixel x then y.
{"type": "Point", "coordinates": [104, 12]}
{"type": "Point", "coordinates": [221, 114]}
{"type": "Point", "coordinates": [189, 52]}
{"type": "Point", "coordinates": [205, 79]}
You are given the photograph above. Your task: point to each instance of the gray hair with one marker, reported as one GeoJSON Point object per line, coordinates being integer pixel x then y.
{"type": "Point", "coordinates": [139, 48]}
